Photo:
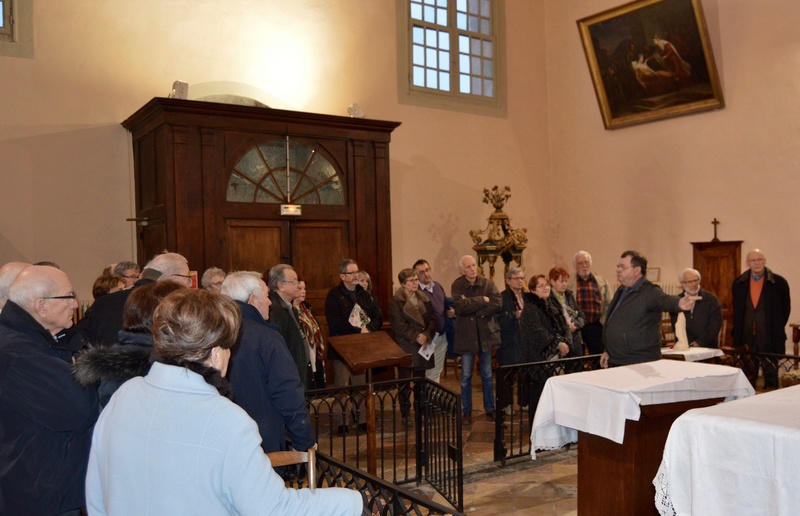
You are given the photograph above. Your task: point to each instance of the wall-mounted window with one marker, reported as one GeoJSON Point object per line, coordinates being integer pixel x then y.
{"type": "Point", "coordinates": [16, 28]}
{"type": "Point", "coordinates": [6, 21]}
{"type": "Point", "coordinates": [451, 53]}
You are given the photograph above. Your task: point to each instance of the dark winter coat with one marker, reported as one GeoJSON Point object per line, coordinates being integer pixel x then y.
{"type": "Point", "coordinates": [542, 328]}
{"type": "Point", "coordinates": [475, 318]}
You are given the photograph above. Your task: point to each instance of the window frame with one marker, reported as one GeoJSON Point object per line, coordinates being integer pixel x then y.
{"type": "Point", "coordinates": [17, 41]}
{"type": "Point", "coordinates": [7, 29]}
{"type": "Point", "coordinates": [453, 99]}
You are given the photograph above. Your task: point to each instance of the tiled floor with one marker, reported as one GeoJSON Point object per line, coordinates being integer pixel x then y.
{"type": "Point", "coordinates": [547, 486]}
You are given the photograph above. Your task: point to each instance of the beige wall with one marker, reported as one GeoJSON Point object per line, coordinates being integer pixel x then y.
{"type": "Point", "coordinates": [658, 186]}
{"type": "Point", "coordinates": [66, 163]}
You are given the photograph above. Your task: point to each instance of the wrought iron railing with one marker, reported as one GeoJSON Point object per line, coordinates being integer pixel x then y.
{"type": "Point", "coordinates": [416, 443]}
{"type": "Point", "coordinates": [518, 390]}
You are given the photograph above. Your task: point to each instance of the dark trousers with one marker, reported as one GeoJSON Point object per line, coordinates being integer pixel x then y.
{"type": "Point", "coordinates": [592, 334]}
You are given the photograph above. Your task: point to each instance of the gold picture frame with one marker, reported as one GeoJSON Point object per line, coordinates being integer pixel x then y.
{"type": "Point", "coordinates": [650, 60]}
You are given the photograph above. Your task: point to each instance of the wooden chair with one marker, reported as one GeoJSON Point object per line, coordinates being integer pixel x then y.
{"type": "Point", "coordinates": [289, 457]}
{"type": "Point", "coordinates": [452, 362]}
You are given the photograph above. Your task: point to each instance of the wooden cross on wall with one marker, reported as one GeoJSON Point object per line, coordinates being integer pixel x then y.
{"type": "Point", "coordinates": [716, 223]}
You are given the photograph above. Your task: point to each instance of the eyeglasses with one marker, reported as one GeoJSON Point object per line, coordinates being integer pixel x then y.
{"type": "Point", "coordinates": [132, 276]}
{"type": "Point", "coordinates": [517, 277]}
{"type": "Point", "coordinates": [184, 276]}
{"type": "Point", "coordinates": [412, 280]}
{"type": "Point", "coordinates": [350, 273]}
{"type": "Point", "coordinates": [547, 285]}
{"type": "Point", "coordinates": [292, 282]}
{"type": "Point", "coordinates": [71, 295]}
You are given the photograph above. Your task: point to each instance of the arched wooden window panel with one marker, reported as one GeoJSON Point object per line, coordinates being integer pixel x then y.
{"type": "Point", "coordinates": [260, 176]}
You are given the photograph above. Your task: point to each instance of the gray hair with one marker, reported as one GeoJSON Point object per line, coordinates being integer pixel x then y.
{"type": "Point", "coordinates": [278, 274]}
{"type": "Point", "coordinates": [512, 271]}
{"type": "Point", "coordinates": [167, 264]}
{"type": "Point", "coordinates": [240, 285]}
{"type": "Point", "coordinates": [8, 273]}
{"type": "Point", "coordinates": [689, 269]}
{"type": "Point", "coordinates": [461, 265]}
{"type": "Point", "coordinates": [122, 267]}
{"type": "Point", "coordinates": [210, 274]}
{"type": "Point", "coordinates": [344, 263]}
{"type": "Point", "coordinates": [34, 284]}
{"type": "Point", "coordinates": [579, 254]}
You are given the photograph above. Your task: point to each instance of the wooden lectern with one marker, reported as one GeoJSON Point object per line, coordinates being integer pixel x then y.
{"type": "Point", "coordinates": [361, 352]}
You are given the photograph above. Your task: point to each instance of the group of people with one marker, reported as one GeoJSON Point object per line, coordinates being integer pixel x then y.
{"type": "Point", "coordinates": [141, 420]}
{"type": "Point", "coordinates": [560, 317]}
{"type": "Point", "coordinates": [136, 400]}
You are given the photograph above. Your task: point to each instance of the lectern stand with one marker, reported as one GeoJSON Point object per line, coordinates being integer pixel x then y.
{"type": "Point", "coordinates": [361, 352]}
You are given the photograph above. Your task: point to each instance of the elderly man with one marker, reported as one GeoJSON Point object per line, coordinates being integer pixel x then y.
{"type": "Point", "coordinates": [282, 283]}
{"type": "Point", "coordinates": [349, 309]}
{"type": "Point", "coordinates": [46, 419]}
{"type": "Point", "coordinates": [476, 301]}
{"type": "Point", "coordinates": [103, 320]}
{"type": "Point", "coordinates": [128, 271]}
{"type": "Point", "coordinates": [632, 331]}
{"type": "Point", "coordinates": [704, 321]}
{"type": "Point", "coordinates": [593, 295]}
{"type": "Point", "coordinates": [262, 373]}
{"type": "Point", "coordinates": [8, 273]}
{"type": "Point", "coordinates": [761, 308]}
{"type": "Point", "coordinates": [435, 293]}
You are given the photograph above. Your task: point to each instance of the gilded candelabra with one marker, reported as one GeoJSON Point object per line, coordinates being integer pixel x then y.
{"type": "Point", "coordinates": [501, 240]}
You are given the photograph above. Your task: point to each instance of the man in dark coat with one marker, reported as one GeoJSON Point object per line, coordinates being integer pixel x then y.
{"type": "Point", "coordinates": [345, 319]}
{"type": "Point", "coordinates": [46, 419]}
{"type": "Point", "coordinates": [632, 331]}
{"type": "Point", "coordinates": [261, 371]}
{"type": "Point", "coordinates": [761, 308]}
{"type": "Point", "coordinates": [476, 301]}
{"type": "Point", "coordinates": [704, 321]}
{"type": "Point", "coordinates": [282, 283]}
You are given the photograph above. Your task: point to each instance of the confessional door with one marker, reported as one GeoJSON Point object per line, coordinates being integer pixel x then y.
{"type": "Point", "coordinates": [719, 264]}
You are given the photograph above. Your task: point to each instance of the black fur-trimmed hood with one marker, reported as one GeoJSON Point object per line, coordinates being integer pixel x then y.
{"type": "Point", "coordinates": [112, 363]}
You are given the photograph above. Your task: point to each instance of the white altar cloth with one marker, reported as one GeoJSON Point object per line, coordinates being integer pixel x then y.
{"type": "Point", "coordinates": [734, 458]}
{"type": "Point", "coordinates": [695, 354]}
{"type": "Point", "coordinates": [599, 402]}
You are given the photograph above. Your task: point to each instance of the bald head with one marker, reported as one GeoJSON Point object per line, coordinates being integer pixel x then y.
{"type": "Point", "coordinates": [756, 261]}
{"type": "Point", "coordinates": [46, 294]}
{"type": "Point", "coordinates": [8, 273]}
{"type": "Point", "coordinates": [172, 266]}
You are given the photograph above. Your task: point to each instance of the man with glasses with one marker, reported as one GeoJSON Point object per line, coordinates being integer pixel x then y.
{"type": "Point", "coordinates": [282, 282]}
{"type": "Point", "coordinates": [103, 320]}
{"type": "Point", "coordinates": [704, 321]}
{"type": "Point", "coordinates": [46, 419]}
{"type": "Point", "coordinates": [632, 331]}
{"type": "Point", "coordinates": [593, 295]}
{"type": "Point", "coordinates": [513, 299]}
{"type": "Point", "coordinates": [349, 309]}
{"type": "Point", "coordinates": [761, 308]}
{"type": "Point", "coordinates": [437, 296]}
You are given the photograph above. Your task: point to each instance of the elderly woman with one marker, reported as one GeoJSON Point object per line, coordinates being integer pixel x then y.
{"type": "Point", "coordinates": [173, 443]}
{"type": "Point", "coordinates": [543, 331]}
{"type": "Point", "coordinates": [414, 324]}
{"type": "Point", "coordinates": [212, 279]}
{"type": "Point", "coordinates": [565, 300]}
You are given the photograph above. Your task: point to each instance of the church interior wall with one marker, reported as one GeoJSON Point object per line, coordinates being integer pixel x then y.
{"type": "Point", "coordinates": [67, 164]}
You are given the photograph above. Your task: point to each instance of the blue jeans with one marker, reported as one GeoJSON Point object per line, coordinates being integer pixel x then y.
{"type": "Point", "coordinates": [467, 366]}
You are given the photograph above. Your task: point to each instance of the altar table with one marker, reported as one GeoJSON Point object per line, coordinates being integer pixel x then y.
{"type": "Point", "coordinates": [620, 418]}
{"type": "Point", "coordinates": [693, 354]}
{"type": "Point", "coordinates": [735, 458]}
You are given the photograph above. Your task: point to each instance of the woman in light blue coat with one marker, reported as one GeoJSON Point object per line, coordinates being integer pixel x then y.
{"type": "Point", "coordinates": [173, 443]}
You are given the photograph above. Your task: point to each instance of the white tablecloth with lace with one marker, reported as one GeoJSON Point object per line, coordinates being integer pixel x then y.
{"type": "Point", "coordinates": [599, 402]}
{"type": "Point", "coordinates": [734, 458]}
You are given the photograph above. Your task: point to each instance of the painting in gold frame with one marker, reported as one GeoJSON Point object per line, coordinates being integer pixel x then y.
{"type": "Point", "coordinates": [649, 60]}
